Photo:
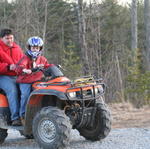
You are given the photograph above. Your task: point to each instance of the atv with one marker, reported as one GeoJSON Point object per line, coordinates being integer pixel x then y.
{"type": "Point", "coordinates": [56, 105]}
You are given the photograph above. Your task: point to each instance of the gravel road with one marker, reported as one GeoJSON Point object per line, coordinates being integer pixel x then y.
{"type": "Point", "coordinates": [127, 138]}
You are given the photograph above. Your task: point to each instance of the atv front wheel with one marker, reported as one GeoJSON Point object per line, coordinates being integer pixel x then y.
{"type": "Point", "coordinates": [51, 128]}
{"type": "Point", "coordinates": [101, 127]}
{"type": "Point", "coordinates": [3, 135]}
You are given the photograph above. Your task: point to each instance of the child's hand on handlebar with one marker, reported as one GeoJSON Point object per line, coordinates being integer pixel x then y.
{"type": "Point", "coordinates": [39, 67]}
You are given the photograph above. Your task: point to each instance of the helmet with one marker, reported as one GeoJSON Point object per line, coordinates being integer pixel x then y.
{"type": "Point", "coordinates": [35, 41]}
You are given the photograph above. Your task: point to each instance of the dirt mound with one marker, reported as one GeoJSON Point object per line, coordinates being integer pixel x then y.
{"type": "Point", "coordinates": [124, 115]}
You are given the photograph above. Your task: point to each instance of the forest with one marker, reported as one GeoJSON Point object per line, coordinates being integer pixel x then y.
{"type": "Point", "coordinates": [99, 38]}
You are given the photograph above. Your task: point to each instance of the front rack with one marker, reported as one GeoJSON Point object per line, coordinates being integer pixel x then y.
{"type": "Point", "coordinates": [85, 80]}
{"type": "Point", "coordinates": [86, 92]}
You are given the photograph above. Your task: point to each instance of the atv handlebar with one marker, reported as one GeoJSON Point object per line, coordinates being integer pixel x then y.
{"type": "Point", "coordinates": [52, 71]}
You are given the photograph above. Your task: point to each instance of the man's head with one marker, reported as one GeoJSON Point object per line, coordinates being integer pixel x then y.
{"type": "Point", "coordinates": [7, 37]}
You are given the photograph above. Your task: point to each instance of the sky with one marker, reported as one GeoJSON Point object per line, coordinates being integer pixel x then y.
{"type": "Point", "coordinates": [123, 2]}
{"type": "Point", "coordinates": [120, 1]}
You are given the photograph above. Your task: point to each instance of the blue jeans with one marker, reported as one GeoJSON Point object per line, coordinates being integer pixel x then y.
{"type": "Point", "coordinates": [25, 90]}
{"type": "Point", "coordinates": [9, 85]}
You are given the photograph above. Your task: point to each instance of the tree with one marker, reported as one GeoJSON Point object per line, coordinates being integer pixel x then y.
{"type": "Point", "coordinates": [147, 34]}
{"type": "Point", "coordinates": [71, 62]}
{"type": "Point", "coordinates": [134, 28]}
{"type": "Point", "coordinates": [93, 38]}
{"type": "Point", "coordinates": [82, 38]}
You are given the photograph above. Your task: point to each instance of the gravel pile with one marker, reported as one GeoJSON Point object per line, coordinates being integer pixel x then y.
{"type": "Point", "coordinates": [128, 138]}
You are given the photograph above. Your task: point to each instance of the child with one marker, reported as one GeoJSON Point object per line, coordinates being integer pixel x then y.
{"type": "Point", "coordinates": [31, 59]}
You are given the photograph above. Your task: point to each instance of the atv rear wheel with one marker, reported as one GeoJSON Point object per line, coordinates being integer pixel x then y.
{"type": "Point", "coordinates": [51, 128]}
{"type": "Point", "coordinates": [3, 135]}
{"type": "Point", "coordinates": [101, 127]}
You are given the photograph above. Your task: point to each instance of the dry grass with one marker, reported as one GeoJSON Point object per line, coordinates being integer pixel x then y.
{"type": "Point", "coordinates": [125, 115]}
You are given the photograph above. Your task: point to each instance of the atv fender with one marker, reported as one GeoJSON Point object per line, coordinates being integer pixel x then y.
{"type": "Point", "coordinates": [36, 102]}
{"type": "Point", "coordinates": [60, 95]}
{"type": "Point", "coordinates": [4, 108]}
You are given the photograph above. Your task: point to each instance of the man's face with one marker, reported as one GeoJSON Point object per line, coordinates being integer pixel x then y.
{"type": "Point", "coordinates": [8, 40]}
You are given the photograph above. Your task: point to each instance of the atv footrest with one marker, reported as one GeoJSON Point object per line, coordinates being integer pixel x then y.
{"type": "Point", "coordinates": [4, 125]}
{"type": "Point", "coordinates": [12, 127]}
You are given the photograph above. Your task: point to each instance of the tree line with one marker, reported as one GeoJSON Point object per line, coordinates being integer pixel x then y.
{"type": "Point", "coordinates": [103, 39]}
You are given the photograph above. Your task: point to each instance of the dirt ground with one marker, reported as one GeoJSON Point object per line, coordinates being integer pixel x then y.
{"type": "Point", "coordinates": [126, 116]}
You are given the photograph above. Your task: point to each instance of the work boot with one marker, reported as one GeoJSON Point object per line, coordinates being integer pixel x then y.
{"type": "Point", "coordinates": [16, 122]}
{"type": "Point", "coordinates": [23, 121]}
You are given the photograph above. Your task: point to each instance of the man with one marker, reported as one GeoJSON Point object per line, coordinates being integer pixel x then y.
{"type": "Point", "coordinates": [10, 54]}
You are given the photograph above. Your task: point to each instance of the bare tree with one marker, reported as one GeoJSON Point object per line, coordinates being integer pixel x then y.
{"type": "Point", "coordinates": [45, 20]}
{"type": "Point", "coordinates": [147, 33]}
{"type": "Point", "coordinates": [82, 38]}
{"type": "Point", "coordinates": [93, 38]}
{"type": "Point", "coordinates": [134, 27]}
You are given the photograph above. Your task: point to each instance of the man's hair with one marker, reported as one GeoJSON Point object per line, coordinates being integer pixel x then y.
{"type": "Point", "coordinates": [5, 32]}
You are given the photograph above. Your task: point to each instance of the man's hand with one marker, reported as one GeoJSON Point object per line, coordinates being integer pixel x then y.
{"type": "Point", "coordinates": [27, 71]}
{"type": "Point", "coordinates": [12, 67]}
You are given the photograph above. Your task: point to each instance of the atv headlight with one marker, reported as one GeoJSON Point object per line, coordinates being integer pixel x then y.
{"type": "Point", "coordinates": [96, 90]}
{"type": "Point", "coordinates": [101, 90]}
{"type": "Point", "coordinates": [72, 94]}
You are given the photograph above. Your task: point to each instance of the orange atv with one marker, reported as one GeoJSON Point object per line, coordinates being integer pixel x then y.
{"type": "Point", "coordinates": [56, 105]}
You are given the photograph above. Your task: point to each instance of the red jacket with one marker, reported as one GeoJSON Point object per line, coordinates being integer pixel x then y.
{"type": "Point", "coordinates": [9, 55]}
{"type": "Point", "coordinates": [27, 62]}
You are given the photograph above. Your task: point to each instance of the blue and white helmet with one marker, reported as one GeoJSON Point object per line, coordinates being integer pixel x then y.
{"type": "Point", "coordinates": [34, 41]}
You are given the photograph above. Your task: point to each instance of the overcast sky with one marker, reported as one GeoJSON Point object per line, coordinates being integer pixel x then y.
{"type": "Point", "coordinates": [124, 1]}
{"type": "Point", "coordinates": [120, 1]}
